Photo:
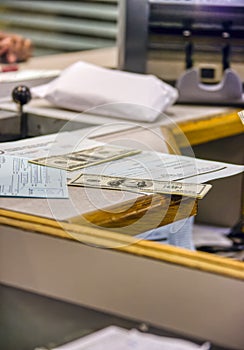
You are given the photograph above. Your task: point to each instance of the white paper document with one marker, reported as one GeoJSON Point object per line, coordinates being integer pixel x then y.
{"type": "Point", "coordinates": [28, 74]}
{"type": "Point", "coordinates": [165, 167]}
{"type": "Point", "coordinates": [28, 77]}
{"type": "Point", "coordinates": [206, 235]}
{"type": "Point", "coordinates": [48, 145]}
{"type": "Point", "coordinates": [115, 338]}
{"type": "Point", "coordinates": [19, 178]}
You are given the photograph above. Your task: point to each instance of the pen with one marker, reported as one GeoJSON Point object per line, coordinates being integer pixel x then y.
{"type": "Point", "coordinates": [9, 68]}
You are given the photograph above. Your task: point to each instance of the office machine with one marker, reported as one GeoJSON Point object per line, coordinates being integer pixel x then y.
{"type": "Point", "coordinates": [196, 44]}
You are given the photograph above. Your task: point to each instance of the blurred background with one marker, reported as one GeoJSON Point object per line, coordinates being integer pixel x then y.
{"type": "Point", "coordinates": [62, 26]}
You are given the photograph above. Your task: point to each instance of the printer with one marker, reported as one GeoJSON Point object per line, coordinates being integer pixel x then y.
{"type": "Point", "coordinates": [168, 38]}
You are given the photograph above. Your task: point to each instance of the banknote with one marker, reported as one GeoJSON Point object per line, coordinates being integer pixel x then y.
{"type": "Point", "coordinates": [86, 157]}
{"type": "Point", "coordinates": [141, 185]}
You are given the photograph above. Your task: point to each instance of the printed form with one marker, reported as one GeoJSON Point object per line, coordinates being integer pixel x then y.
{"type": "Point", "coordinates": [166, 167]}
{"type": "Point", "coordinates": [19, 178]}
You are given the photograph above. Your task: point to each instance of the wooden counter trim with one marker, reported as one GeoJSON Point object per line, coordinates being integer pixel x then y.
{"type": "Point", "coordinates": [125, 216]}
{"type": "Point", "coordinates": [195, 132]}
{"type": "Point", "coordinates": [112, 240]}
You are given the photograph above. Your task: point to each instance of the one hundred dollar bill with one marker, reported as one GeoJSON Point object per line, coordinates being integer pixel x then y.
{"type": "Point", "coordinates": [87, 157]}
{"type": "Point", "coordinates": [141, 185]}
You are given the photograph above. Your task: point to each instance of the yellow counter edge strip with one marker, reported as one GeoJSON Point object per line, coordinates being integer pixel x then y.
{"type": "Point", "coordinates": [107, 239]}
{"type": "Point", "coordinates": [195, 132]}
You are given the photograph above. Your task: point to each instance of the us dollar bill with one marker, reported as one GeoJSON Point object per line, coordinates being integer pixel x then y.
{"type": "Point", "coordinates": [87, 157]}
{"type": "Point", "coordinates": [141, 185]}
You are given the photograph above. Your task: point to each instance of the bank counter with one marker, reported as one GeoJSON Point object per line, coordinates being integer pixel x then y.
{"type": "Point", "coordinates": [68, 276]}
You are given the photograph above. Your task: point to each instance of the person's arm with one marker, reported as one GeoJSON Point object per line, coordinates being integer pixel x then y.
{"type": "Point", "coordinates": [14, 48]}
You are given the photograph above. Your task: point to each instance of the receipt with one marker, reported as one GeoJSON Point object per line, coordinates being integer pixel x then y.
{"type": "Point", "coordinates": [19, 178]}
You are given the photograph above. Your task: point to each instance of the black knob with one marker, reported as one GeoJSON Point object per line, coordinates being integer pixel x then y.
{"type": "Point", "coordinates": [21, 95]}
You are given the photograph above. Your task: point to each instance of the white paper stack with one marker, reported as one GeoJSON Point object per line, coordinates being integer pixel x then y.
{"type": "Point", "coordinates": [114, 93]}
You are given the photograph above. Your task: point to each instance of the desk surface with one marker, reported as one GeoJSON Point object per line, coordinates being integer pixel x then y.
{"type": "Point", "coordinates": [197, 284]}
{"type": "Point", "coordinates": [194, 121]}
{"type": "Point", "coordinates": [106, 57]}
{"type": "Point", "coordinates": [109, 208]}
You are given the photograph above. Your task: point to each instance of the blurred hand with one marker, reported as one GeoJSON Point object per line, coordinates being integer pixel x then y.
{"type": "Point", "coordinates": [14, 48]}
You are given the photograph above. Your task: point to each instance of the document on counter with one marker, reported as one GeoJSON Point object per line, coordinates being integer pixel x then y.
{"type": "Point", "coordinates": [19, 178]}
{"type": "Point", "coordinates": [114, 337]}
{"type": "Point", "coordinates": [48, 145]}
{"type": "Point", "coordinates": [165, 167]}
{"type": "Point", "coordinates": [30, 77]}
{"type": "Point", "coordinates": [153, 172]}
